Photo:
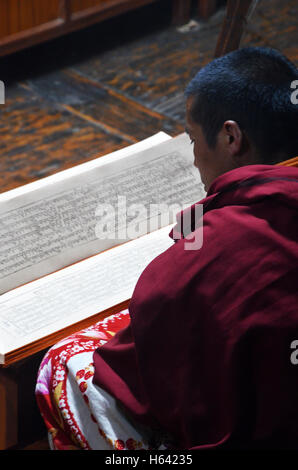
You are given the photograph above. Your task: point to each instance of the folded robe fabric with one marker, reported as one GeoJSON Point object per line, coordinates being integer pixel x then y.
{"type": "Point", "coordinates": [224, 318]}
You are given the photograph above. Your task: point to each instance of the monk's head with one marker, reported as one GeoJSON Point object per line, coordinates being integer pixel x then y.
{"type": "Point", "coordinates": [239, 112]}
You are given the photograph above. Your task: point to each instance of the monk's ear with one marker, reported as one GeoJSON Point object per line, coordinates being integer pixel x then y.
{"type": "Point", "coordinates": [233, 138]}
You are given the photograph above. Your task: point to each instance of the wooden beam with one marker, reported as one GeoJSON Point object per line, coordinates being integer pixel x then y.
{"type": "Point", "coordinates": [232, 28]}
{"type": "Point", "coordinates": [64, 10]}
{"type": "Point", "coordinates": [8, 410]}
{"type": "Point", "coordinates": [67, 23]}
{"type": "Point", "coordinates": [206, 8]}
{"type": "Point", "coordinates": [180, 11]}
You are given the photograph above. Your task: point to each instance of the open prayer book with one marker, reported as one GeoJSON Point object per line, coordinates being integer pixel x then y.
{"type": "Point", "coordinates": [74, 244]}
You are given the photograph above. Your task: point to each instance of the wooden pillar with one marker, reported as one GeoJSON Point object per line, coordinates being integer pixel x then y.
{"type": "Point", "coordinates": [233, 25]}
{"type": "Point", "coordinates": [206, 8]}
{"type": "Point", "coordinates": [64, 10]}
{"type": "Point", "coordinates": [181, 11]}
{"type": "Point", "coordinates": [8, 409]}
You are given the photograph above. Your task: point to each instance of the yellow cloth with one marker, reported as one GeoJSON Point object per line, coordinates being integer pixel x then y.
{"type": "Point", "coordinates": [291, 162]}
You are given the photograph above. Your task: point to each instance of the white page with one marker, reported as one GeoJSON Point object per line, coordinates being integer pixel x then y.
{"type": "Point", "coordinates": [56, 301]}
{"type": "Point", "coordinates": [12, 217]}
{"type": "Point", "coordinates": [81, 169]}
{"type": "Point", "coordinates": [50, 227]}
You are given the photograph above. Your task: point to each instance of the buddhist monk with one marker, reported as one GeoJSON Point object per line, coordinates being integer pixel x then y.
{"type": "Point", "coordinates": [204, 358]}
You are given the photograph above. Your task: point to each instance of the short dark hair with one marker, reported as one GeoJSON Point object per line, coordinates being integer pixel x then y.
{"type": "Point", "coordinates": [251, 86]}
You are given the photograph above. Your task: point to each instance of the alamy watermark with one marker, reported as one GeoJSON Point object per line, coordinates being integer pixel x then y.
{"type": "Point", "coordinates": [2, 92]}
{"type": "Point", "coordinates": [294, 354]}
{"type": "Point", "coordinates": [294, 94]}
{"type": "Point", "coordinates": [122, 221]}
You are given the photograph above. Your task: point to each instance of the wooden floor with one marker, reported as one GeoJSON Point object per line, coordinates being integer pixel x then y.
{"type": "Point", "coordinates": [113, 84]}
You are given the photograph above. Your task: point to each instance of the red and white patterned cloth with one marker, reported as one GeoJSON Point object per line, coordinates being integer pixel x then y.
{"type": "Point", "coordinates": [77, 413]}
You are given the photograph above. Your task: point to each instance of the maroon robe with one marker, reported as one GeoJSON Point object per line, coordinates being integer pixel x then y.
{"type": "Point", "coordinates": [207, 354]}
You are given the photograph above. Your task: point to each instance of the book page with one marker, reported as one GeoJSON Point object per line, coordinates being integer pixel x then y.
{"type": "Point", "coordinates": [42, 307]}
{"type": "Point", "coordinates": [68, 219]}
{"type": "Point", "coordinates": [18, 220]}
